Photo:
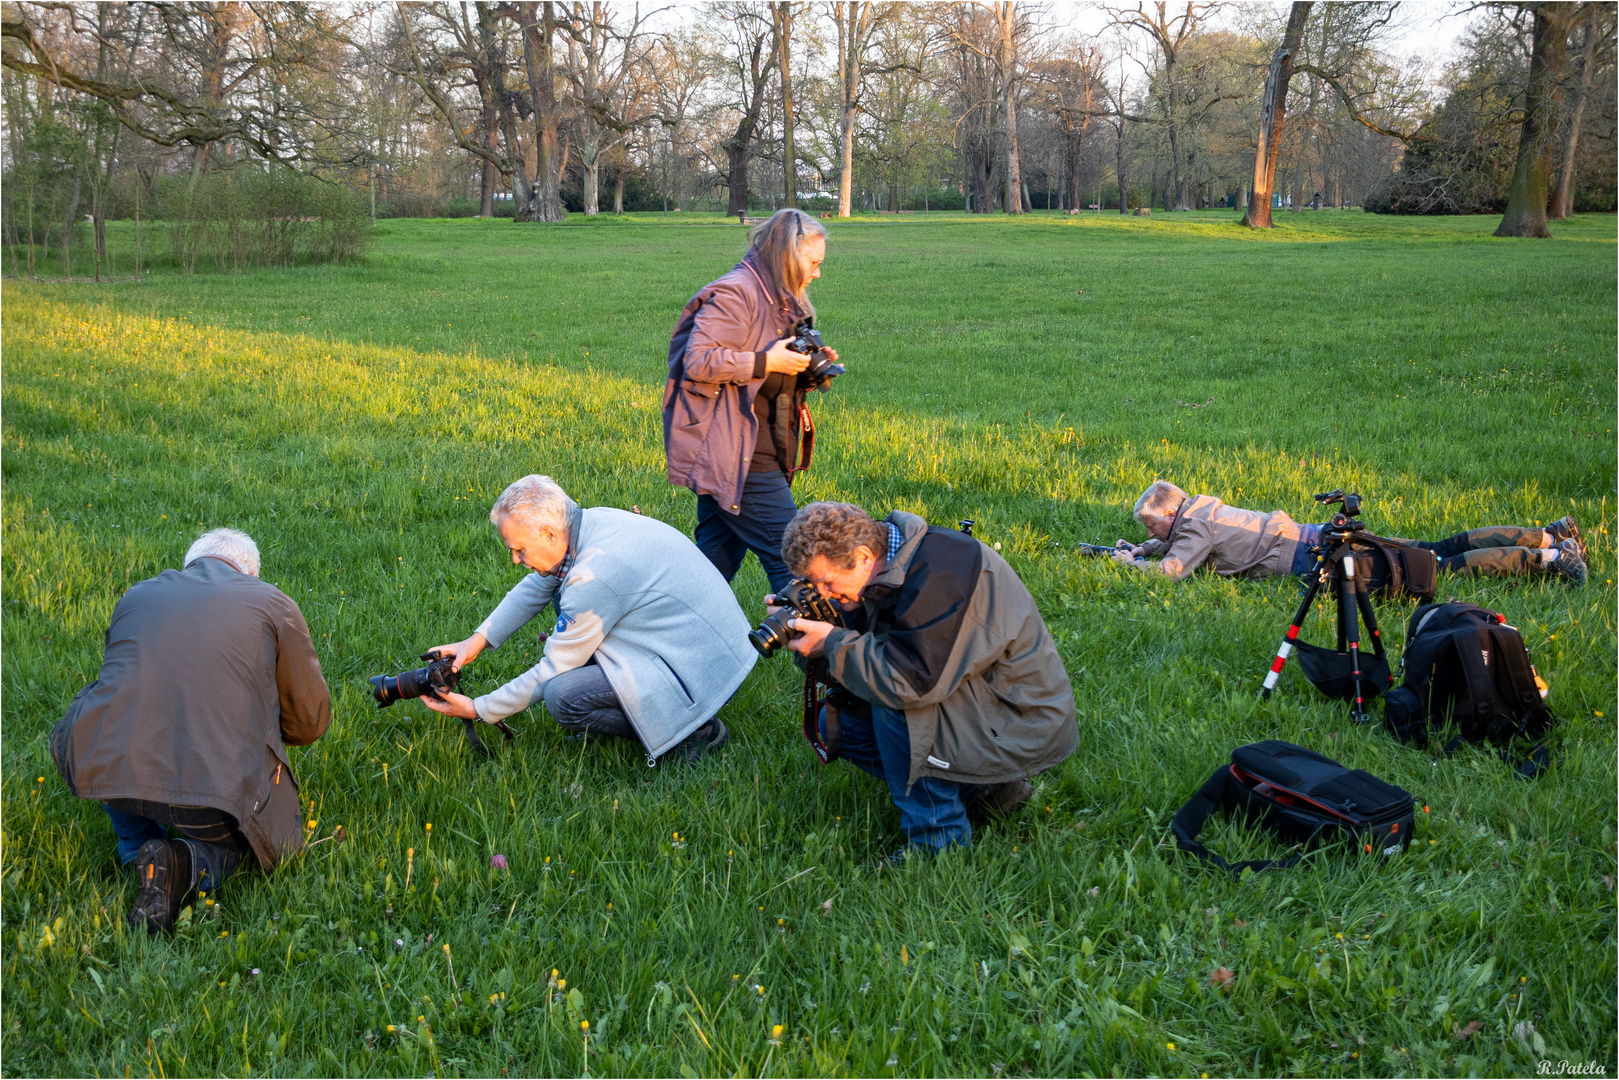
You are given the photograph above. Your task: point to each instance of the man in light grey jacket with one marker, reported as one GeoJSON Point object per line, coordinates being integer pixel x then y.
{"type": "Point", "coordinates": [649, 640]}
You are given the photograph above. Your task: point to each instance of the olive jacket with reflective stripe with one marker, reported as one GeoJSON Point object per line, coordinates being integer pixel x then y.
{"type": "Point", "coordinates": [638, 597]}
{"type": "Point", "coordinates": [957, 643]}
{"type": "Point", "coordinates": [716, 367]}
{"type": "Point", "coordinates": [208, 675]}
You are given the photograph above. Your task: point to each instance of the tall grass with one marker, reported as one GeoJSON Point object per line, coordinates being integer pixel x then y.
{"type": "Point", "coordinates": [358, 420]}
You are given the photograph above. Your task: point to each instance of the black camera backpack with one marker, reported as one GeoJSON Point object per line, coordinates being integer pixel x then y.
{"type": "Point", "coordinates": [1301, 796]}
{"type": "Point", "coordinates": [1464, 665]}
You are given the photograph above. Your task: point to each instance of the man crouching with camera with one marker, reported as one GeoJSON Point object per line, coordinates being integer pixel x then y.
{"type": "Point", "coordinates": [959, 693]}
{"type": "Point", "coordinates": [649, 640]}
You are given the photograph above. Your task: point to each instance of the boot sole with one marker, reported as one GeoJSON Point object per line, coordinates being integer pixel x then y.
{"type": "Point", "coordinates": [154, 907]}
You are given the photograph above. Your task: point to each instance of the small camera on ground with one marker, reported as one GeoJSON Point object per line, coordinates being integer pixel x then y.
{"type": "Point", "coordinates": [821, 370]}
{"type": "Point", "coordinates": [798, 600]}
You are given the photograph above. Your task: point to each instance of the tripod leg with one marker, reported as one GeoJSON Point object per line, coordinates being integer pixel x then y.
{"type": "Point", "coordinates": [1350, 624]}
{"type": "Point", "coordinates": [1369, 617]}
{"type": "Point", "coordinates": [1291, 636]}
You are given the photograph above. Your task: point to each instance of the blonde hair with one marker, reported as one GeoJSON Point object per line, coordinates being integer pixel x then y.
{"type": "Point", "coordinates": [775, 245]}
{"type": "Point", "coordinates": [534, 500]}
{"type": "Point", "coordinates": [1161, 499]}
{"type": "Point", "coordinates": [832, 530]}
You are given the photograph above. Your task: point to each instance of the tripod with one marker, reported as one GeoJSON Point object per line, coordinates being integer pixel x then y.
{"type": "Point", "coordinates": [1335, 560]}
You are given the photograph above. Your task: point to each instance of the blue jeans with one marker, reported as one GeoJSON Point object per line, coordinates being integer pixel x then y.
{"type": "Point", "coordinates": [210, 835]}
{"type": "Point", "coordinates": [933, 814]}
{"type": "Point", "coordinates": [1304, 554]}
{"type": "Point", "coordinates": [766, 508]}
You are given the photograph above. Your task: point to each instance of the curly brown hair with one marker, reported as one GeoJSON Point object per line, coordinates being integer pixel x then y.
{"type": "Point", "coordinates": [833, 530]}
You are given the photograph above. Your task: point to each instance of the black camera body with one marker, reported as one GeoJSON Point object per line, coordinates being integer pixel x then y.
{"type": "Point", "coordinates": [799, 600]}
{"type": "Point", "coordinates": [433, 681]}
{"type": "Point", "coordinates": [821, 370]}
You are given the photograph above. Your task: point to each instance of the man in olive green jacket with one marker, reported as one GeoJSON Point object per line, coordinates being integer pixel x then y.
{"type": "Point", "coordinates": [962, 693]}
{"type": "Point", "coordinates": [208, 675]}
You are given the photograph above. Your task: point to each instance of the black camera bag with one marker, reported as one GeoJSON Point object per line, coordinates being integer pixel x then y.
{"type": "Point", "coordinates": [1397, 568]}
{"type": "Point", "coordinates": [1301, 796]}
{"type": "Point", "coordinates": [1464, 665]}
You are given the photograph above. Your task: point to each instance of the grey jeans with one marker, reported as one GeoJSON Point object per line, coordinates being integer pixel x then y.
{"type": "Point", "coordinates": [582, 700]}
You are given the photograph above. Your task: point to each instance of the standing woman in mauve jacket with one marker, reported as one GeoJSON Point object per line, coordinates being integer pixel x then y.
{"type": "Point", "coordinates": [734, 411]}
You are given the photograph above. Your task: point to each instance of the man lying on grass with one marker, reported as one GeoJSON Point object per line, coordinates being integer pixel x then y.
{"type": "Point", "coordinates": [1189, 531]}
{"type": "Point", "coordinates": [959, 693]}
{"type": "Point", "coordinates": [208, 673]}
{"type": "Point", "coordinates": [649, 640]}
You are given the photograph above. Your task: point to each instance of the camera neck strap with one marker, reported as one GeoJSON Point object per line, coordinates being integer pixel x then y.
{"type": "Point", "coordinates": [829, 750]}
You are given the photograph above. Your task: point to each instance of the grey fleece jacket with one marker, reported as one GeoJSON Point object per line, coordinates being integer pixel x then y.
{"type": "Point", "coordinates": [661, 622]}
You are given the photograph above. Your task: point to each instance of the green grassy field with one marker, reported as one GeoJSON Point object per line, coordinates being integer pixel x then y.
{"type": "Point", "coordinates": [1033, 375]}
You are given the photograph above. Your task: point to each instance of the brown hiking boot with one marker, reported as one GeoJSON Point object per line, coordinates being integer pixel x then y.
{"type": "Point", "coordinates": [1566, 528]}
{"type": "Point", "coordinates": [163, 874]}
{"type": "Point", "coordinates": [1007, 798]}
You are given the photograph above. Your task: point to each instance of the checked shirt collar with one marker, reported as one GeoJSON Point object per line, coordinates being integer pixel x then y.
{"type": "Point", "coordinates": [575, 516]}
{"type": "Point", "coordinates": [895, 540]}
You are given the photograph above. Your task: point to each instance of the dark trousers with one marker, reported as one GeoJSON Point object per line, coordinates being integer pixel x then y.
{"type": "Point", "coordinates": [933, 812]}
{"type": "Point", "coordinates": [583, 701]}
{"type": "Point", "coordinates": [764, 512]}
{"type": "Point", "coordinates": [215, 843]}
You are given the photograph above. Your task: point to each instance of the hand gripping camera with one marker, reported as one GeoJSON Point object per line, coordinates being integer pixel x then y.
{"type": "Point", "coordinates": [798, 600]}
{"type": "Point", "coordinates": [434, 680]}
{"type": "Point", "coordinates": [821, 370]}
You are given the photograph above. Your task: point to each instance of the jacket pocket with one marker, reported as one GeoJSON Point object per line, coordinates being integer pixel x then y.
{"type": "Point", "coordinates": [676, 684]}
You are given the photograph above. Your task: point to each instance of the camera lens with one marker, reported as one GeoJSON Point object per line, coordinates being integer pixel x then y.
{"type": "Point", "coordinates": [388, 689]}
{"type": "Point", "coordinates": [385, 689]}
{"type": "Point", "coordinates": [772, 633]}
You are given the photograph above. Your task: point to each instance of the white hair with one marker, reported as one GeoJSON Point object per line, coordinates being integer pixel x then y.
{"type": "Point", "coordinates": [230, 544]}
{"type": "Point", "coordinates": [1161, 499]}
{"type": "Point", "coordinates": [533, 500]}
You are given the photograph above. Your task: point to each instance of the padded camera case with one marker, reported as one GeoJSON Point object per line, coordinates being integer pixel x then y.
{"type": "Point", "coordinates": [1301, 796]}
{"type": "Point", "coordinates": [1398, 568]}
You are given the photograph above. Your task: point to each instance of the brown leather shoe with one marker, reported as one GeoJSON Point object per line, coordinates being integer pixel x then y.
{"type": "Point", "coordinates": [163, 875]}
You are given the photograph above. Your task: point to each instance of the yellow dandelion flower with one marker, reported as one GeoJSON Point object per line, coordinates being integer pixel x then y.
{"type": "Point", "coordinates": [1169, 1046]}
{"type": "Point", "coordinates": [775, 1032]}
{"type": "Point", "coordinates": [584, 1025]}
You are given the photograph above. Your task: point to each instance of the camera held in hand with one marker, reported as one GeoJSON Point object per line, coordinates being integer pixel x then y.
{"type": "Point", "coordinates": [798, 600]}
{"type": "Point", "coordinates": [821, 370]}
{"type": "Point", "coordinates": [434, 680]}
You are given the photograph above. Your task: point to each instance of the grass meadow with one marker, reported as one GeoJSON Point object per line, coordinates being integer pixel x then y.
{"type": "Point", "coordinates": [1033, 375]}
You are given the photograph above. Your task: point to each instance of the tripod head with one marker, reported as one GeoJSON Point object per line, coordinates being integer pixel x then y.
{"type": "Point", "coordinates": [1346, 521]}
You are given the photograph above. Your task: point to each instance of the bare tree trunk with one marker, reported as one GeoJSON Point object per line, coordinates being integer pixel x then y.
{"type": "Point", "coordinates": [1531, 180]}
{"type": "Point", "coordinates": [67, 238]}
{"type": "Point", "coordinates": [1006, 18]}
{"type": "Point", "coordinates": [539, 29]}
{"type": "Point", "coordinates": [1272, 115]}
{"type": "Point", "coordinates": [789, 163]}
{"type": "Point", "coordinates": [618, 189]}
{"type": "Point", "coordinates": [1562, 201]}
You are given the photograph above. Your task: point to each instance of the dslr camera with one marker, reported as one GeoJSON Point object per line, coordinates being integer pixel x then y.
{"type": "Point", "coordinates": [821, 370]}
{"type": "Point", "coordinates": [799, 600]}
{"type": "Point", "coordinates": [432, 681]}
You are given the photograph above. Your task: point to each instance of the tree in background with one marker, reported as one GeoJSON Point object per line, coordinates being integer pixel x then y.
{"type": "Point", "coordinates": [1272, 115]}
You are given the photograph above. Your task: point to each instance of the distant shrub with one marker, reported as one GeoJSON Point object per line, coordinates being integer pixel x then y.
{"type": "Point", "coordinates": [248, 217]}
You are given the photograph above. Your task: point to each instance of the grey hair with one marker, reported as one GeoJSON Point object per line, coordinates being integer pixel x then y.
{"type": "Point", "coordinates": [1161, 499]}
{"type": "Point", "coordinates": [231, 544]}
{"type": "Point", "coordinates": [535, 500]}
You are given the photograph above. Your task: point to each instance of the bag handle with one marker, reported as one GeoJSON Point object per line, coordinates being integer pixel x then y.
{"type": "Point", "coordinates": [1190, 819]}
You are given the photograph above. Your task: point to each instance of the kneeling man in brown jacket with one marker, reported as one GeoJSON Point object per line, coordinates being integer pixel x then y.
{"type": "Point", "coordinates": [957, 692]}
{"type": "Point", "coordinates": [207, 676]}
